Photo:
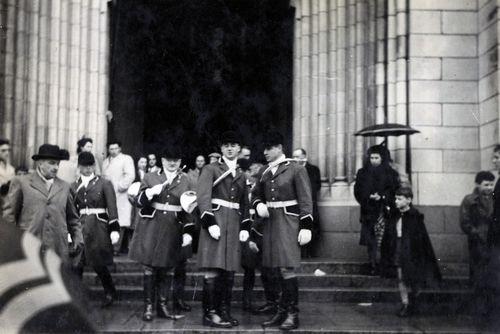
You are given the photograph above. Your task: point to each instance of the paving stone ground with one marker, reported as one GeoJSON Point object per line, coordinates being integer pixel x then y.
{"type": "Point", "coordinates": [125, 317]}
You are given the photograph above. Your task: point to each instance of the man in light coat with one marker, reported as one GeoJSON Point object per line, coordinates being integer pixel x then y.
{"type": "Point", "coordinates": [43, 204]}
{"type": "Point", "coordinates": [7, 172]}
{"type": "Point", "coordinates": [119, 169]}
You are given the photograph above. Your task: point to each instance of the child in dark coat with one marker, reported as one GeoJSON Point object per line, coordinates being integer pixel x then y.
{"type": "Point", "coordinates": [476, 214]}
{"type": "Point", "coordinates": [406, 237]}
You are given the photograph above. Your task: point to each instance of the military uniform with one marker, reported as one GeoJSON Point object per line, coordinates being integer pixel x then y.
{"type": "Point", "coordinates": [158, 235]}
{"type": "Point", "coordinates": [157, 241]}
{"type": "Point", "coordinates": [96, 205]}
{"type": "Point", "coordinates": [227, 202]}
{"type": "Point", "coordinates": [283, 191]}
{"type": "Point", "coordinates": [287, 193]}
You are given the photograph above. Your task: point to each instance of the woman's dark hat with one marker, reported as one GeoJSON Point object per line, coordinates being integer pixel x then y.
{"type": "Point", "coordinates": [86, 159]}
{"type": "Point", "coordinates": [171, 153]}
{"type": "Point", "coordinates": [229, 137]}
{"type": "Point", "coordinates": [273, 138]}
{"type": "Point", "coordinates": [49, 152]}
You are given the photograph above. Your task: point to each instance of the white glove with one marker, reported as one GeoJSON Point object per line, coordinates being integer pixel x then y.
{"type": "Point", "coordinates": [244, 235]}
{"type": "Point", "coordinates": [115, 236]}
{"type": "Point", "coordinates": [214, 231]}
{"type": "Point", "coordinates": [154, 190]}
{"type": "Point", "coordinates": [262, 210]}
{"type": "Point", "coordinates": [186, 239]}
{"type": "Point", "coordinates": [304, 237]}
{"type": "Point", "coordinates": [69, 239]}
{"type": "Point", "coordinates": [253, 247]}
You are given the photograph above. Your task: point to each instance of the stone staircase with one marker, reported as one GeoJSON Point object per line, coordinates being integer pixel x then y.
{"type": "Point", "coordinates": [343, 282]}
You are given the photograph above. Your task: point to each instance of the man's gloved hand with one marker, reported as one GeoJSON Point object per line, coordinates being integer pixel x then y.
{"type": "Point", "coordinates": [253, 247]}
{"type": "Point", "coordinates": [154, 190]}
{"type": "Point", "coordinates": [187, 239]}
{"type": "Point", "coordinates": [114, 236]}
{"type": "Point", "coordinates": [214, 231]}
{"type": "Point", "coordinates": [244, 235]}
{"type": "Point", "coordinates": [262, 210]}
{"type": "Point", "coordinates": [304, 237]}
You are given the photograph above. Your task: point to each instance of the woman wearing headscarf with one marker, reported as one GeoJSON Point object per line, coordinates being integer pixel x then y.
{"type": "Point", "coordinates": [376, 184]}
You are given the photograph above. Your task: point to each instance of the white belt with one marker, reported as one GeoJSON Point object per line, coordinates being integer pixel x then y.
{"type": "Point", "coordinates": [167, 207]}
{"type": "Point", "coordinates": [92, 211]}
{"type": "Point", "coordinates": [281, 204]}
{"type": "Point", "coordinates": [227, 204]}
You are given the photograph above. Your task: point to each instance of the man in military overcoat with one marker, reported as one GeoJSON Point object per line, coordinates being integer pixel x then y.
{"type": "Point", "coordinates": [283, 194]}
{"type": "Point", "coordinates": [222, 198]}
{"type": "Point", "coordinates": [95, 201]}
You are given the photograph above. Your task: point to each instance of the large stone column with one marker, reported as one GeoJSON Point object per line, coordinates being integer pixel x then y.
{"type": "Point", "coordinates": [54, 74]}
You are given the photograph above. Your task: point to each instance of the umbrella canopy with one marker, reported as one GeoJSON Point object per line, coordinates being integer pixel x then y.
{"type": "Point", "coordinates": [384, 130]}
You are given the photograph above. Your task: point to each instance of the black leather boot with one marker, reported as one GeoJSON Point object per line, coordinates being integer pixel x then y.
{"type": "Point", "coordinates": [107, 284]}
{"type": "Point", "coordinates": [162, 301]}
{"type": "Point", "coordinates": [210, 315]}
{"type": "Point", "coordinates": [178, 289]}
{"type": "Point", "coordinates": [248, 284]}
{"type": "Point", "coordinates": [280, 315]}
{"type": "Point", "coordinates": [226, 288]}
{"type": "Point", "coordinates": [149, 293]}
{"type": "Point", "coordinates": [291, 290]}
{"type": "Point", "coordinates": [270, 282]}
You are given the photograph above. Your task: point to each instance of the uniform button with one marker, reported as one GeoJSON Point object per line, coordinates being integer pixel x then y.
{"type": "Point", "coordinates": [232, 189]}
{"type": "Point", "coordinates": [85, 200]}
{"type": "Point", "coordinates": [272, 189]}
{"type": "Point", "coordinates": [164, 212]}
{"type": "Point", "coordinates": [232, 197]}
{"type": "Point", "coordinates": [272, 181]}
{"type": "Point", "coordinates": [168, 196]}
{"type": "Point", "coordinates": [272, 198]}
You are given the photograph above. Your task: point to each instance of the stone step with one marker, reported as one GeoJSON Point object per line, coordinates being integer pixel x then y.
{"type": "Point", "coordinates": [123, 264]}
{"type": "Point", "coordinates": [309, 294]}
{"type": "Point", "coordinates": [305, 280]}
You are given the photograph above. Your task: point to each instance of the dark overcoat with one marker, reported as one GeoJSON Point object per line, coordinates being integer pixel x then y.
{"type": "Point", "coordinates": [224, 253]}
{"type": "Point", "coordinates": [249, 258]}
{"type": "Point", "coordinates": [290, 182]}
{"type": "Point", "coordinates": [157, 238]}
{"type": "Point", "coordinates": [48, 214]}
{"type": "Point", "coordinates": [99, 193]}
{"type": "Point", "coordinates": [369, 180]}
{"type": "Point", "coordinates": [493, 270]}
{"type": "Point", "coordinates": [414, 254]}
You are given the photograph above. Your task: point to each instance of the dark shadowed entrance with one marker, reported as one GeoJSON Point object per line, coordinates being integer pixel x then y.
{"type": "Point", "coordinates": [183, 71]}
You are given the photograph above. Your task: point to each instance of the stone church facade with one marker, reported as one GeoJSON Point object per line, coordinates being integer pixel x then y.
{"type": "Point", "coordinates": [430, 64]}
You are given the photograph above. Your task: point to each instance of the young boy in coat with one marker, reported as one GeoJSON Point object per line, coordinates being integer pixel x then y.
{"type": "Point", "coordinates": [476, 212]}
{"type": "Point", "coordinates": [407, 238]}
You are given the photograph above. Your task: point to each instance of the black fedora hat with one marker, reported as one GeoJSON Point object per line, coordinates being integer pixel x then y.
{"type": "Point", "coordinates": [172, 152]}
{"type": "Point", "coordinates": [47, 151]}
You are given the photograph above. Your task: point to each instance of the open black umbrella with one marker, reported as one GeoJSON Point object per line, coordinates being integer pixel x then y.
{"type": "Point", "coordinates": [386, 130]}
{"type": "Point", "coordinates": [391, 130]}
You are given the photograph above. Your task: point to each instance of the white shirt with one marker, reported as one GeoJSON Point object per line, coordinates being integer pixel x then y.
{"type": "Point", "coordinates": [48, 182]}
{"type": "Point", "coordinates": [170, 176]}
{"type": "Point", "coordinates": [86, 179]}
{"type": "Point", "coordinates": [231, 164]}
{"type": "Point", "coordinates": [275, 164]}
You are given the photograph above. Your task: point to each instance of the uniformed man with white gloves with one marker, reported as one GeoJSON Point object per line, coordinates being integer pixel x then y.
{"type": "Point", "coordinates": [222, 198]}
{"type": "Point", "coordinates": [283, 195]}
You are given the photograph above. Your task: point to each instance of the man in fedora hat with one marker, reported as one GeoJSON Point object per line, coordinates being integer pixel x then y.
{"type": "Point", "coordinates": [223, 203]}
{"type": "Point", "coordinates": [43, 204]}
{"type": "Point", "coordinates": [282, 194]}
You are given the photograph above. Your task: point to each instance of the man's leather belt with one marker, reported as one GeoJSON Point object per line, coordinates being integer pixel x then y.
{"type": "Point", "coordinates": [281, 204]}
{"type": "Point", "coordinates": [167, 207]}
{"type": "Point", "coordinates": [92, 211]}
{"type": "Point", "coordinates": [226, 204]}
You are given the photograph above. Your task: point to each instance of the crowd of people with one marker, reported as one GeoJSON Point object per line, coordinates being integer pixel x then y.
{"type": "Point", "coordinates": [235, 213]}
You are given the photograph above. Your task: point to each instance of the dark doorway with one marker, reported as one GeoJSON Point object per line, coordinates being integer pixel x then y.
{"type": "Point", "coordinates": [183, 71]}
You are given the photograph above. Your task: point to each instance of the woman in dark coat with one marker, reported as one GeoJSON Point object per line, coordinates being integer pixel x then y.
{"type": "Point", "coordinates": [163, 230]}
{"type": "Point", "coordinates": [374, 190]}
{"type": "Point", "coordinates": [95, 201]}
